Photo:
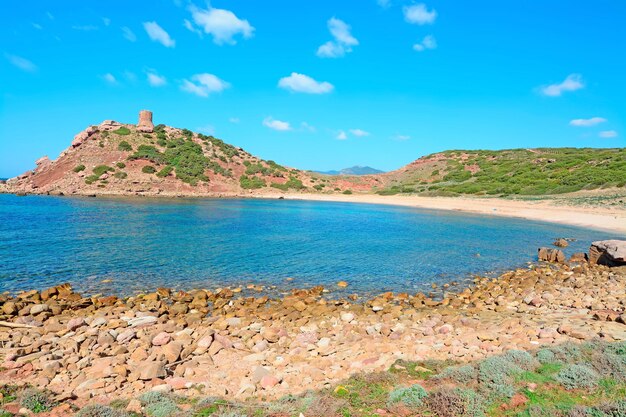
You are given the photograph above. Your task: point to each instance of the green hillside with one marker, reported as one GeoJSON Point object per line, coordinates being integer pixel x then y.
{"type": "Point", "coordinates": [512, 172]}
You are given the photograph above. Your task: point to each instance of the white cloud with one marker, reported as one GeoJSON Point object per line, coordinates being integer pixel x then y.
{"type": "Point", "coordinates": [22, 63]}
{"type": "Point", "coordinates": [37, 26]}
{"type": "Point", "coordinates": [207, 130]}
{"type": "Point", "coordinates": [607, 134]}
{"type": "Point", "coordinates": [85, 28]}
{"type": "Point", "coordinates": [157, 34]}
{"type": "Point", "coordinates": [109, 78]}
{"type": "Point", "coordinates": [190, 27]}
{"type": "Point", "coordinates": [341, 135]}
{"type": "Point", "coordinates": [573, 82]}
{"type": "Point", "coordinates": [222, 24]}
{"type": "Point", "coordinates": [587, 122]}
{"type": "Point", "coordinates": [130, 76]}
{"type": "Point", "coordinates": [301, 83]}
{"type": "Point", "coordinates": [307, 127]}
{"type": "Point", "coordinates": [50, 15]}
{"type": "Point", "coordinates": [419, 14]}
{"type": "Point", "coordinates": [276, 124]}
{"type": "Point", "coordinates": [204, 84]}
{"type": "Point", "coordinates": [359, 133]}
{"type": "Point", "coordinates": [234, 119]}
{"type": "Point", "coordinates": [384, 3]}
{"type": "Point", "coordinates": [106, 21]}
{"type": "Point", "coordinates": [155, 80]}
{"type": "Point", "coordinates": [342, 43]}
{"type": "Point", "coordinates": [128, 34]}
{"type": "Point", "coordinates": [429, 42]}
{"type": "Point", "coordinates": [402, 137]}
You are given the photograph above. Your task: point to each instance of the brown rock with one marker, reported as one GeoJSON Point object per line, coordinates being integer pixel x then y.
{"type": "Point", "coordinates": [151, 370]}
{"type": "Point", "coordinates": [551, 255]}
{"type": "Point", "coordinates": [608, 252]}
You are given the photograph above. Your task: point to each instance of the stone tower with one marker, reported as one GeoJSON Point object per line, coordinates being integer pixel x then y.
{"type": "Point", "coordinates": [145, 121]}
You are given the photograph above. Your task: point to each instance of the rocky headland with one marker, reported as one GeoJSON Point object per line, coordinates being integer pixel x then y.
{"type": "Point", "coordinates": [241, 344]}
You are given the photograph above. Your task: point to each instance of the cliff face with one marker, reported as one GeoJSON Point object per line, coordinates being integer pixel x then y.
{"type": "Point", "coordinates": [115, 158]}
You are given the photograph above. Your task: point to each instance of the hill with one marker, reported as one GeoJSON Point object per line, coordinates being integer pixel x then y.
{"type": "Point", "coordinates": [355, 170]}
{"type": "Point", "coordinates": [510, 172]}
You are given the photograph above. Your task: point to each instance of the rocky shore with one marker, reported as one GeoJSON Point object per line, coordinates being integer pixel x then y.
{"type": "Point", "coordinates": [229, 342]}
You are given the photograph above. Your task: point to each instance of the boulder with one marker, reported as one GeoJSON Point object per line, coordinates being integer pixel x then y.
{"type": "Point", "coordinates": [561, 243]}
{"type": "Point", "coordinates": [608, 252]}
{"type": "Point", "coordinates": [151, 370]}
{"type": "Point", "coordinates": [551, 255]}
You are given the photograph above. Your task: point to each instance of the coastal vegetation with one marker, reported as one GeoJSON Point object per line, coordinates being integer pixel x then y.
{"type": "Point", "coordinates": [512, 172]}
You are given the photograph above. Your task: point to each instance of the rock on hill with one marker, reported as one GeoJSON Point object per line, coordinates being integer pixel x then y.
{"type": "Point", "coordinates": [123, 159]}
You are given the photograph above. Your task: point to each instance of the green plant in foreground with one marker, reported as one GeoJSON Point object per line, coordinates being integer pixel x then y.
{"type": "Point", "coordinates": [164, 408]}
{"type": "Point", "coordinates": [98, 410]}
{"type": "Point", "coordinates": [412, 396]}
{"type": "Point", "coordinates": [577, 376]}
{"type": "Point", "coordinates": [35, 400]}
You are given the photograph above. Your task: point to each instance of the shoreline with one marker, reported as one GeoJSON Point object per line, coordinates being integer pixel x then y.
{"type": "Point", "coordinates": [596, 217]}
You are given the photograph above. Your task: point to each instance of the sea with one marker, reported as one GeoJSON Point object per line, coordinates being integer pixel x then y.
{"type": "Point", "coordinates": [125, 246]}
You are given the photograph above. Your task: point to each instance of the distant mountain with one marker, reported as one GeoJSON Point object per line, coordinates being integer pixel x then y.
{"type": "Point", "coordinates": [355, 170]}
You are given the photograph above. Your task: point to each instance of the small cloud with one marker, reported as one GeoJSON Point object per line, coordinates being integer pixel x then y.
{"type": "Point", "coordinates": [341, 135]}
{"type": "Point", "coordinates": [207, 130]}
{"type": "Point", "coordinates": [573, 82]}
{"type": "Point", "coordinates": [128, 34]}
{"type": "Point", "coordinates": [158, 34]}
{"type": "Point", "coordinates": [429, 42]}
{"type": "Point", "coordinates": [234, 119]}
{"type": "Point", "coordinates": [50, 15]}
{"type": "Point", "coordinates": [204, 84]}
{"type": "Point", "coordinates": [222, 24]}
{"type": "Point", "coordinates": [587, 122]}
{"type": "Point", "coordinates": [307, 127]}
{"type": "Point", "coordinates": [276, 124]}
{"type": "Point", "coordinates": [106, 21]}
{"type": "Point", "coordinates": [301, 83]}
{"type": "Point", "coordinates": [402, 137]}
{"type": "Point", "coordinates": [37, 26]}
{"type": "Point", "coordinates": [419, 14]}
{"type": "Point", "coordinates": [607, 134]}
{"type": "Point", "coordinates": [130, 76]}
{"type": "Point", "coordinates": [384, 3]}
{"type": "Point", "coordinates": [109, 78]}
{"type": "Point", "coordinates": [85, 28]}
{"type": "Point", "coordinates": [21, 63]}
{"type": "Point", "coordinates": [155, 80]}
{"type": "Point", "coordinates": [190, 27]}
{"type": "Point", "coordinates": [359, 133]}
{"type": "Point", "coordinates": [342, 43]}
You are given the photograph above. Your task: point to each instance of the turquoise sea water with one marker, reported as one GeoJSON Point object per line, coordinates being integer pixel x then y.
{"type": "Point", "coordinates": [142, 244]}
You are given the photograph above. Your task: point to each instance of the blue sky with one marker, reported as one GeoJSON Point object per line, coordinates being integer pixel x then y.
{"type": "Point", "coordinates": [316, 84]}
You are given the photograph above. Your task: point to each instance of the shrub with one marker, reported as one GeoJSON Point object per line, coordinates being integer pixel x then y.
{"type": "Point", "coordinates": [577, 376]}
{"type": "Point", "coordinates": [609, 364]}
{"type": "Point", "coordinates": [91, 179]}
{"type": "Point", "coordinates": [120, 175]}
{"type": "Point", "coordinates": [79, 168]}
{"type": "Point", "coordinates": [124, 146]}
{"type": "Point", "coordinates": [461, 374]}
{"type": "Point", "coordinates": [164, 408]}
{"type": "Point", "coordinates": [120, 165]}
{"type": "Point", "coordinates": [148, 169]}
{"type": "Point", "coordinates": [445, 403]}
{"type": "Point", "coordinates": [101, 169]}
{"type": "Point", "coordinates": [35, 400]}
{"type": "Point", "coordinates": [347, 192]}
{"type": "Point", "coordinates": [522, 359]}
{"type": "Point", "coordinates": [251, 183]}
{"type": "Point", "coordinates": [496, 373]}
{"type": "Point", "coordinates": [123, 131]}
{"type": "Point", "coordinates": [152, 397]}
{"type": "Point", "coordinates": [98, 410]}
{"type": "Point", "coordinates": [616, 409]}
{"type": "Point", "coordinates": [546, 356]}
{"type": "Point", "coordinates": [410, 396]}
{"type": "Point", "coordinates": [165, 171]}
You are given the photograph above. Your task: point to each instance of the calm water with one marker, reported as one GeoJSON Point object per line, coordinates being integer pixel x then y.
{"type": "Point", "coordinates": [142, 244]}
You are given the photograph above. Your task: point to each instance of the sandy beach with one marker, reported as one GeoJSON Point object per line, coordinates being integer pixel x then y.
{"type": "Point", "coordinates": [601, 218]}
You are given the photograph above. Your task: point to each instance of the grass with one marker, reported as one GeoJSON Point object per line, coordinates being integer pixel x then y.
{"type": "Point", "coordinates": [122, 131]}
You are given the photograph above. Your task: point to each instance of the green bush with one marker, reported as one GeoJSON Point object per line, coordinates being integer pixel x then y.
{"type": "Point", "coordinates": [347, 192]}
{"type": "Point", "coordinates": [165, 408]}
{"type": "Point", "coordinates": [148, 169]}
{"type": "Point", "coordinates": [462, 374]}
{"type": "Point", "coordinates": [251, 183]}
{"type": "Point", "coordinates": [522, 359]}
{"type": "Point", "coordinates": [120, 175]}
{"type": "Point", "coordinates": [101, 169]}
{"type": "Point", "coordinates": [546, 356]}
{"type": "Point", "coordinates": [577, 376]}
{"type": "Point", "coordinates": [79, 168]}
{"type": "Point", "coordinates": [35, 400]}
{"type": "Point", "coordinates": [165, 171]}
{"type": "Point", "coordinates": [293, 183]}
{"type": "Point", "coordinates": [124, 146]}
{"type": "Point", "coordinates": [120, 165]}
{"type": "Point", "coordinates": [412, 396]}
{"type": "Point", "coordinates": [123, 131]}
{"type": "Point", "coordinates": [497, 375]}
{"type": "Point", "coordinates": [98, 410]}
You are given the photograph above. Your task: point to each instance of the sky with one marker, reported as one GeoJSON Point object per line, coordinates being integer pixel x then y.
{"type": "Point", "coordinates": [319, 85]}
